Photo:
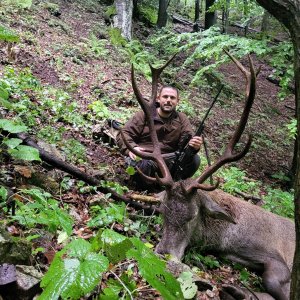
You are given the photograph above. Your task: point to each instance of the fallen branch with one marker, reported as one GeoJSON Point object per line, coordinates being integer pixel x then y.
{"type": "Point", "coordinates": [61, 165]}
{"type": "Point", "coordinates": [144, 198]}
{"type": "Point", "coordinates": [254, 199]}
{"type": "Point", "coordinates": [177, 19]}
{"type": "Point", "coordinates": [277, 82]}
{"type": "Point", "coordinates": [290, 107]}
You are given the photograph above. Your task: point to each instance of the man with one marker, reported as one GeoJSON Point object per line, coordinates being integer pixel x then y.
{"type": "Point", "coordinates": [173, 129]}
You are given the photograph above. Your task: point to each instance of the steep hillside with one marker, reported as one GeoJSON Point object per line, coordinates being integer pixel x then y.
{"type": "Point", "coordinates": [68, 74]}
{"type": "Point", "coordinates": [59, 44]}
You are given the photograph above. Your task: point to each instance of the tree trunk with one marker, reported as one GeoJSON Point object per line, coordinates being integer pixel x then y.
{"type": "Point", "coordinates": [225, 16]}
{"type": "Point", "coordinates": [295, 287]}
{"type": "Point", "coordinates": [162, 17]}
{"type": "Point", "coordinates": [123, 19]}
{"type": "Point", "coordinates": [135, 10]}
{"type": "Point", "coordinates": [288, 13]}
{"type": "Point", "coordinates": [197, 15]}
{"type": "Point", "coordinates": [210, 17]}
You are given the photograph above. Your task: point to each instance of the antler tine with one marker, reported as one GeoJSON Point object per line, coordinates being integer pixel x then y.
{"type": "Point", "coordinates": [228, 155]}
{"type": "Point", "coordinates": [205, 187]}
{"type": "Point", "coordinates": [155, 76]}
{"type": "Point", "coordinates": [164, 181]}
{"type": "Point", "coordinates": [148, 109]}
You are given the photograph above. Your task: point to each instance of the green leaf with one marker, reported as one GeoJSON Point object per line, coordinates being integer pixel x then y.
{"type": "Point", "coordinates": [130, 170]}
{"type": "Point", "coordinates": [62, 237]}
{"type": "Point", "coordinates": [4, 93]}
{"type": "Point", "coordinates": [74, 272]}
{"type": "Point", "coordinates": [115, 289]}
{"type": "Point", "coordinates": [115, 245]}
{"type": "Point", "coordinates": [111, 237]}
{"type": "Point", "coordinates": [187, 284]}
{"type": "Point", "coordinates": [43, 210]}
{"type": "Point", "coordinates": [244, 275]}
{"type": "Point", "coordinates": [25, 153]}
{"type": "Point", "coordinates": [23, 3]}
{"type": "Point", "coordinates": [154, 271]}
{"type": "Point", "coordinates": [8, 35]}
{"type": "Point", "coordinates": [112, 291]}
{"type": "Point", "coordinates": [65, 221]}
{"type": "Point", "coordinates": [116, 253]}
{"type": "Point", "coordinates": [6, 104]}
{"type": "Point", "coordinates": [3, 193]}
{"type": "Point", "coordinates": [11, 126]}
{"type": "Point", "coordinates": [12, 143]}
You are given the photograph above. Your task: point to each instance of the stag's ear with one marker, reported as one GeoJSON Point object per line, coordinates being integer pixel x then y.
{"type": "Point", "coordinates": [215, 211]}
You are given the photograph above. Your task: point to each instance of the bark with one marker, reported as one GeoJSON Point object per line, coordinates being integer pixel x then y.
{"type": "Point", "coordinates": [135, 10]}
{"type": "Point", "coordinates": [197, 15]}
{"type": "Point", "coordinates": [162, 17]}
{"type": "Point", "coordinates": [177, 19]}
{"type": "Point", "coordinates": [295, 288]}
{"type": "Point", "coordinates": [61, 165]}
{"type": "Point", "coordinates": [123, 19]}
{"type": "Point", "coordinates": [225, 16]}
{"type": "Point", "coordinates": [288, 13]}
{"type": "Point", "coordinates": [210, 17]}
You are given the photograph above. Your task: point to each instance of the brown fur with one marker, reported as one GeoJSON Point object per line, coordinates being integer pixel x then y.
{"type": "Point", "coordinates": [239, 230]}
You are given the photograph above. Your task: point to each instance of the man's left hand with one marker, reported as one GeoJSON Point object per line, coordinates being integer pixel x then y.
{"type": "Point", "coordinates": [196, 142]}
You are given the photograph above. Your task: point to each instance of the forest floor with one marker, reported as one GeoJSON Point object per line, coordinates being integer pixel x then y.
{"type": "Point", "coordinates": [56, 45]}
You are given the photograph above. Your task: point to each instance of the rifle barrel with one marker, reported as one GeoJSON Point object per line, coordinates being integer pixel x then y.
{"type": "Point", "coordinates": [200, 128]}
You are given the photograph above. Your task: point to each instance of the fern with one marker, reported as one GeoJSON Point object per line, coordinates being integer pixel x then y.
{"type": "Point", "coordinates": [207, 48]}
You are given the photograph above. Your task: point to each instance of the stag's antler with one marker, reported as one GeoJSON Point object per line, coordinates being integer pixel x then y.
{"type": "Point", "coordinates": [228, 155]}
{"type": "Point", "coordinates": [149, 109]}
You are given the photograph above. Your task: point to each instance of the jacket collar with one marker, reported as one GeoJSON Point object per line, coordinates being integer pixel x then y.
{"type": "Point", "coordinates": [158, 118]}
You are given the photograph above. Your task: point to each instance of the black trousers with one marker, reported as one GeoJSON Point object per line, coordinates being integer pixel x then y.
{"type": "Point", "coordinates": [149, 167]}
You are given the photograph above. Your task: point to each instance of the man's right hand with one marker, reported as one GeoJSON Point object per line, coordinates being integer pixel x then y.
{"type": "Point", "coordinates": [132, 155]}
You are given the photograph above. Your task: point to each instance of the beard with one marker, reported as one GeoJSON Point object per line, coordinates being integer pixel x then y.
{"type": "Point", "coordinates": [167, 108]}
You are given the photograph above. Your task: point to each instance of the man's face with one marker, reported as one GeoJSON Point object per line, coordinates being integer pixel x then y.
{"type": "Point", "coordinates": [168, 100]}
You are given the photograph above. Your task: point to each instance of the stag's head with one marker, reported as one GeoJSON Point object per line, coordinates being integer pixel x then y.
{"type": "Point", "coordinates": [184, 201]}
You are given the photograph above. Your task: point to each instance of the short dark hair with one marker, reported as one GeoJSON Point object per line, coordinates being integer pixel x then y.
{"type": "Point", "coordinates": [169, 87]}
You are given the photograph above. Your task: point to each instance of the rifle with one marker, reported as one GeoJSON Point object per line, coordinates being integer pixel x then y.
{"type": "Point", "coordinates": [185, 152]}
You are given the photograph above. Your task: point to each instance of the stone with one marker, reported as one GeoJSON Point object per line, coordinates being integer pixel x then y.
{"type": "Point", "coordinates": [24, 285]}
{"type": "Point", "coordinates": [28, 280]}
{"type": "Point", "coordinates": [7, 274]}
{"type": "Point", "coordinates": [13, 250]}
